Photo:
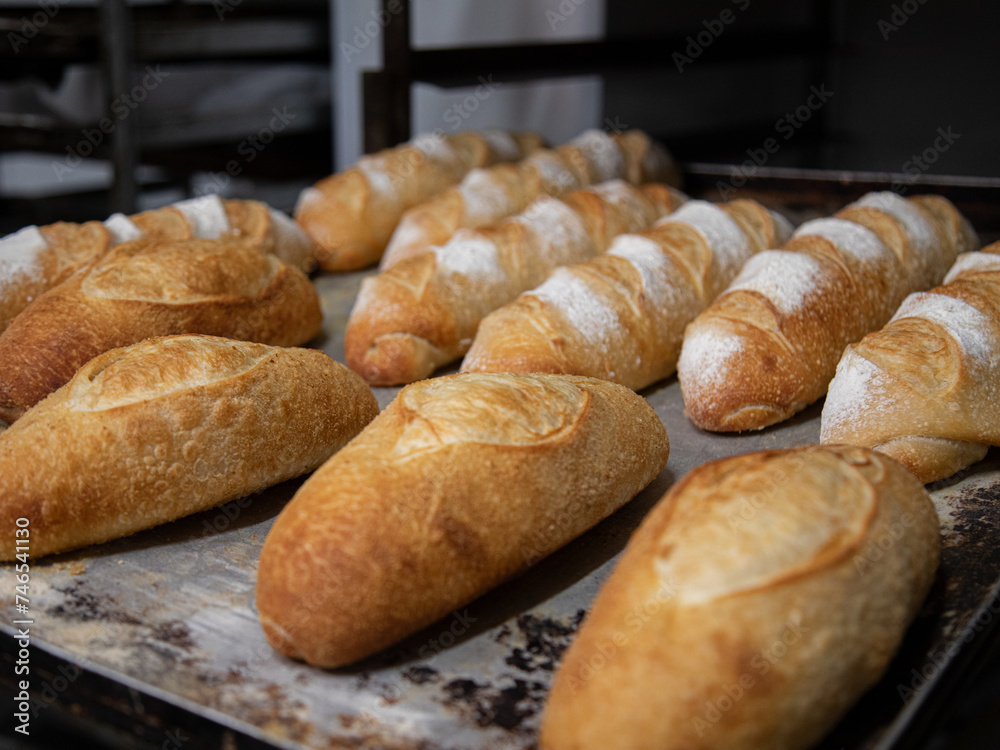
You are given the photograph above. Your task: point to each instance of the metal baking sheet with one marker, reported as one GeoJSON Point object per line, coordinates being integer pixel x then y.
{"type": "Point", "coordinates": [168, 615]}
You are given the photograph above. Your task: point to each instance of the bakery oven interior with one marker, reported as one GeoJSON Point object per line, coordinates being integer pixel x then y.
{"type": "Point", "coordinates": [805, 105]}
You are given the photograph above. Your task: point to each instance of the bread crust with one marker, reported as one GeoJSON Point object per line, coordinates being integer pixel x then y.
{"type": "Point", "coordinates": [769, 345]}
{"type": "Point", "coordinates": [350, 215]}
{"type": "Point", "coordinates": [924, 389]}
{"type": "Point", "coordinates": [754, 605]}
{"type": "Point", "coordinates": [66, 247]}
{"type": "Point", "coordinates": [423, 312]}
{"type": "Point", "coordinates": [621, 316]}
{"type": "Point", "coordinates": [168, 427]}
{"type": "Point", "coordinates": [147, 288]}
{"type": "Point", "coordinates": [460, 483]}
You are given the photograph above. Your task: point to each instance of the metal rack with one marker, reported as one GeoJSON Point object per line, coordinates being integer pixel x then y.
{"type": "Point", "coordinates": [119, 37]}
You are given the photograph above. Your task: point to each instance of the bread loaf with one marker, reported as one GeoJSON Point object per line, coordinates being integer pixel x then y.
{"type": "Point", "coordinates": [34, 260]}
{"type": "Point", "coordinates": [925, 388]}
{"type": "Point", "coordinates": [423, 312]}
{"type": "Point", "coordinates": [768, 347]}
{"type": "Point", "coordinates": [352, 214]}
{"type": "Point", "coordinates": [460, 483]}
{"type": "Point", "coordinates": [149, 288]}
{"type": "Point", "coordinates": [486, 196]}
{"type": "Point", "coordinates": [621, 315]}
{"type": "Point", "coordinates": [754, 605]}
{"type": "Point", "coordinates": [168, 427]}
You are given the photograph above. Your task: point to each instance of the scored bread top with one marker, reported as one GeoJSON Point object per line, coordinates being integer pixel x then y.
{"type": "Point", "coordinates": [180, 272]}
{"type": "Point", "coordinates": [487, 408]}
{"type": "Point", "coordinates": [159, 367]}
{"type": "Point", "coordinates": [732, 532]}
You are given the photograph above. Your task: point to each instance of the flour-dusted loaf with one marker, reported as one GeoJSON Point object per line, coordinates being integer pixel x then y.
{"type": "Point", "coordinates": [621, 315]}
{"type": "Point", "coordinates": [754, 605]}
{"type": "Point", "coordinates": [152, 432]}
{"type": "Point", "coordinates": [460, 483]}
{"type": "Point", "coordinates": [484, 196]}
{"type": "Point", "coordinates": [926, 388]}
{"type": "Point", "coordinates": [352, 214]}
{"type": "Point", "coordinates": [35, 259]}
{"type": "Point", "coordinates": [424, 311]}
{"type": "Point", "coordinates": [147, 288]}
{"type": "Point", "coordinates": [769, 346]}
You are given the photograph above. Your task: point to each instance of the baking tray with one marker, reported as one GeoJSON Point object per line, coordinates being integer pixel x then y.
{"type": "Point", "coordinates": [155, 637]}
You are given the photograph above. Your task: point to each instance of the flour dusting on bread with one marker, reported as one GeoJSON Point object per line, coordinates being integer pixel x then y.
{"type": "Point", "coordinates": [974, 332]}
{"type": "Point", "coordinates": [729, 244]}
{"type": "Point", "coordinates": [786, 278]}
{"type": "Point", "coordinates": [848, 237]}
{"type": "Point", "coordinates": [561, 235]}
{"type": "Point", "coordinates": [974, 262]}
{"type": "Point", "coordinates": [472, 255]}
{"type": "Point", "coordinates": [583, 310]}
{"type": "Point", "coordinates": [20, 255]}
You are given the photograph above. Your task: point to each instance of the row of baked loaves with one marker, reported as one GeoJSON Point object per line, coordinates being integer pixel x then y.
{"type": "Point", "coordinates": [404, 200]}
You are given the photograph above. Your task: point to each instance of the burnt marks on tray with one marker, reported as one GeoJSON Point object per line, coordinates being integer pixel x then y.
{"type": "Point", "coordinates": [83, 606]}
{"type": "Point", "coordinates": [421, 675]}
{"type": "Point", "coordinates": [545, 641]}
{"type": "Point", "coordinates": [174, 633]}
{"type": "Point", "coordinates": [504, 706]}
{"type": "Point", "coordinates": [514, 699]}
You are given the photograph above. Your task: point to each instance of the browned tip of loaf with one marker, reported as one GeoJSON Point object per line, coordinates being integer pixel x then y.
{"type": "Point", "coordinates": [393, 359]}
{"type": "Point", "coordinates": [759, 384]}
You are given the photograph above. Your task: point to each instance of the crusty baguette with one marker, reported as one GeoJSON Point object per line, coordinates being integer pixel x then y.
{"type": "Point", "coordinates": [148, 288]}
{"type": "Point", "coordinates": [769, 346]}
{"type": "Point", "coordinates": [168, 427]}
{"type": "Point", "coordinates": [35, 259]}
{"type": "Point", "coordinates": [459, 484]}
{"type": "Point", "coordinates": [925, 389]}
{"type": "Point", "coordinates": [485, 196]}
{"type": "Point", "coordinates": [750, 625]}
{"type": "Point", "coordinates": [621, 315]}
{"type": "Point", "coordinates": [351, 214]}
{"type": "Point", "coordinates": [423, 312]}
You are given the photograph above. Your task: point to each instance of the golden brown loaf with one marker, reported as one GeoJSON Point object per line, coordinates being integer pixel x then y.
{"type": "Point", "coordinates": [351, 214]}
{"type": "Point", "coordinates": [460, 483]}
{"type": "Point", "coordinates": [423, 312]}
{"type": "Point", "coordinates": [487, 195]}
{"type": "Point", "coordinates": [148, 288]}
{"type": "Point", "coordinates": [745, 624]}
{"type": "Point", "coordinates": [169, 427]}
{"type": "Point", "coordinates": [621, 315]}
{"type": "Point", "coordinates": [35, 259]}
{"type": "Point", "coordinates": [926, 388]}
{"type": "Point", "coordinates": [768, 347]}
